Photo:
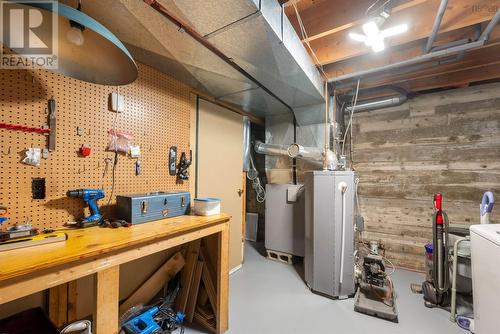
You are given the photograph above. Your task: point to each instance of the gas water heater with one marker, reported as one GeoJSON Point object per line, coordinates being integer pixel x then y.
{"type": "Point", "coordinates": [329, 233]}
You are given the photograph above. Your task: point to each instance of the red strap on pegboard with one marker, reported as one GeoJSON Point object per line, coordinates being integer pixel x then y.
{"type": "Point", "coordinates": [24, 128]}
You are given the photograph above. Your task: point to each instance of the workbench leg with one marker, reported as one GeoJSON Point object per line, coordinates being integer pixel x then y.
{"type": "Point", "coordinates": [58, 304]}
{"type": "Point", "coordinates": [223, 279]}
{"type": "Point", "coordinates": [106, 301]}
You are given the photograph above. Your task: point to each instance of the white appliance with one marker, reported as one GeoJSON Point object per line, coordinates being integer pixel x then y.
{"type": "Point", "coordinates": [485, 249]}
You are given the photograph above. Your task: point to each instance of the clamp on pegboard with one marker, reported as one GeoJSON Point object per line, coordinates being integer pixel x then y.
{"type": "Point", "coordinates": [24, 128]}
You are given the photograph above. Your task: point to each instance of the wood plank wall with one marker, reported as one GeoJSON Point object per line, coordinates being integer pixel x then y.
{"type": "Point", "coordinates": [447, 142]}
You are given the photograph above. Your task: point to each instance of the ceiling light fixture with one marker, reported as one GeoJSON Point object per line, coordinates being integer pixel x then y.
{"type": "Point", "coordinates": [75, 33]}
{"type": "Point", "coordinates": [103, 59]}
{"type": "Point", "coordinates": [373, 36]}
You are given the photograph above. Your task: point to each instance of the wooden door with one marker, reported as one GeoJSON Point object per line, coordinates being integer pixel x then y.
{"type": "Point", "coordinates": [219, 167]}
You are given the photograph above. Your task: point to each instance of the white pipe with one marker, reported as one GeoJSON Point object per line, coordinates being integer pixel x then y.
{"type": "Point", "coordinates": [343, 188]}
{"type": "Point", "coordinates": [454, 278]}
{"type": "Point", "coordinates": [327, 130]}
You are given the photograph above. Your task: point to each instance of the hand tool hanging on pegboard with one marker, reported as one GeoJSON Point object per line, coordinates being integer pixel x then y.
{"type": "Point", "coordinates": [51, 105]}
{"type": "Point", "coordinates": [183, 173]}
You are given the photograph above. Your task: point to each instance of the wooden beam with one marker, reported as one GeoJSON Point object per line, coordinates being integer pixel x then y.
{"type": "Point", "coordinates": [456, 78]}
{"type": "Point", "coordinates": [205, 323]}
{"type": "Point", "coordinates": [460, 14]}
{"type": "Point", "coordinates": [72, 300]}
{"type": "Point", "coordinates": [474, 59]}
{"type": "Point", "coordinates": [106, 301]}
{"type": "Point", "coordinates": [221, 311]}
{"type": "Point", "coordinates": [193, 291]}
{"type": "Point", "coordinates": [400, 53]}
{"type": "Point", "coordinates": [487, 54]}
{"type": "Point", "coordinates": [321, 16]}
{"type": "Point", "coordinates": [210, 287]}
{"type": "Point", "coordinates": [360, 21]}
{"type": "Point", "coordinates": [187, 274]}
{"type": "Point", "coordinates": [58, 305]}
{"type": "Point", "coordinates": [155, 283]}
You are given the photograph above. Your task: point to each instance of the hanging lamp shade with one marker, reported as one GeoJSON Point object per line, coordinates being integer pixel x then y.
{"type": "Point", "coordinates": [84, 48]}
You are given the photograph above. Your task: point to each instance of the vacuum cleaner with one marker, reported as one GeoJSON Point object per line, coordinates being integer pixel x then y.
{"type": "Point", "coordinates": [436, 290]}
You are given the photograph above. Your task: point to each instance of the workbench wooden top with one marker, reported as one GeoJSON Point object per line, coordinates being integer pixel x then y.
{"type": "Point", "coordinates": [92, 242]}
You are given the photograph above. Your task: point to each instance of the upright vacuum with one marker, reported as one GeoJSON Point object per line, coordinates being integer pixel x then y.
{"type": "Point", "coordinates": [436, 290]}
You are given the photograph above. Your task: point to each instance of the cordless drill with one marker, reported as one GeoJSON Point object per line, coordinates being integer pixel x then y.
{"type": "Point", "coordinates": [90, 196]}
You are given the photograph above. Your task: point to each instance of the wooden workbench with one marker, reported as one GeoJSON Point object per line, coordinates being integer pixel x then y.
{"type": "Point", "coordinates": [100, 252]}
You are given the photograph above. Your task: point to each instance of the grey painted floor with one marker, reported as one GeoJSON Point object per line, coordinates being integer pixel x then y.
{"type": "Point", "coordinates": [267, 297]}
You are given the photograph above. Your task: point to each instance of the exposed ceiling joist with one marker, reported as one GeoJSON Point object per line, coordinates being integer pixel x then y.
{"type": "Point", "coordinates": [404, 52]}
{"type": "Point", "coordinates": [329, 22]}
{"type": "Point", "coordinates": [418, 14]}
{"type": "Point", "coordinates": [338, 46]}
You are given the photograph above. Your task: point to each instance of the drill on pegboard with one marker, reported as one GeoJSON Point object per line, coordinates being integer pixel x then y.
{"type": "Point", "coordinates": [90, 196]}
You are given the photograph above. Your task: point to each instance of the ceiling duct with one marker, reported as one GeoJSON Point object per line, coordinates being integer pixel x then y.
{"type": "Point", "coordinates": [259, 38]}
{"type": "Point", "coordinates": [254, 34]}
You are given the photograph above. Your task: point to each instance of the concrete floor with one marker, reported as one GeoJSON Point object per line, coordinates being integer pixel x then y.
{"type": "Point", "coordinates": [267, 297]}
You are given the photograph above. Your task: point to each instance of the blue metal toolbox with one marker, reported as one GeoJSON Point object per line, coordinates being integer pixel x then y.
{"type": "Point", "coordinates": [142, 208]}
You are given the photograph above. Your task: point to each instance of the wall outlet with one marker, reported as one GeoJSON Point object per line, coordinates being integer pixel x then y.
{"type": "Point", "coordinates": [38, 188]}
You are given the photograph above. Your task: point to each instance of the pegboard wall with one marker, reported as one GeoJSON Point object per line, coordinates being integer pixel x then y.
{"type": "Point", "coordinates": [157, 113]}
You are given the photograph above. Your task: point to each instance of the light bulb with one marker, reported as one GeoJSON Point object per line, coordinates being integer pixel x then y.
{"type": "Point", "coordinates": [75, 36]}
{"type": "Point", "coordinates": [371, 29]}
{"type": "Point", "coordinates": [378, 45]}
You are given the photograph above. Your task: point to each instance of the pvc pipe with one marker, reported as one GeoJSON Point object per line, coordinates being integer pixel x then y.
{"type": "Point", "coordinates": [454, 279]}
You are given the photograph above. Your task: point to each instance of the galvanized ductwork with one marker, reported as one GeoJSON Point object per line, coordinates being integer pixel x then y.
{"type": "Point", "coordinates": [253, 34]}
{"type": "Point", "coordinates": [257, 36]}
{"type": "Point", "coordinates": [378, 104]}
{"type": "Point", "coordinates": [313, 155]}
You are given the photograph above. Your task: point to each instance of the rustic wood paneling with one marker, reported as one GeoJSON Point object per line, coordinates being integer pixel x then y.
{"type": "Point", "coordinates": [446, 142]}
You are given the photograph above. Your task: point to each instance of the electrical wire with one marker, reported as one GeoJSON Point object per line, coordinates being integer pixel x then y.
{"type": "Point", "coordinates": [370, 9]}
{"type": "Point", "coordinates": [253, 175]}
{"type": "Point", "coordinates": [115, 162]}
{"type": "Point", "coordinates": [305, 38]}
{"type": "Point", "coordinates": [350, 118]}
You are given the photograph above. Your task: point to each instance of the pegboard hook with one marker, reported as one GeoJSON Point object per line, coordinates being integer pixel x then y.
{"type": "Point", "coordinates": [80, 171]}
{"type": "Point", "coordinates": [9, 151]}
